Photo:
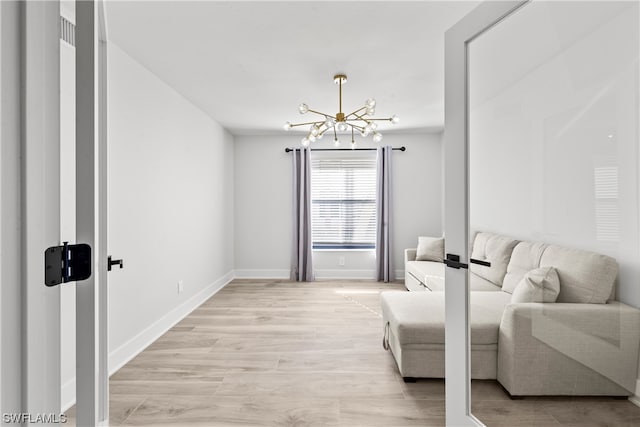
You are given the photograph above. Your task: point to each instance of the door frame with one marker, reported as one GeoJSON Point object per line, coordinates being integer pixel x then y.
{"type": "Point", "coordinates": [92, 350]}
{"type": "Point", "coordinates": [456, 204]}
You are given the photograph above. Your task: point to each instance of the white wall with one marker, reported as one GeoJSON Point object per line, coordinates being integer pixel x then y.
{"type": "Point", "coordinates": [263, 205]}
{"type": "Point", "coordinates": [170, 195]}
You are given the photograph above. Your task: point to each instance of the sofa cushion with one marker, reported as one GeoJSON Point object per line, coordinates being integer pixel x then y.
{"type": "Point", "coordinates": [524, 258]}
{"type": "Point", "coordinates": [418, 317]}
{"type": "Point", "coordinates": [422, 270]}
{"type": "Point", "coordinates": [585, 277]}
{"type": "Point", "coordinates": [477, 283]}
{"type": "Point", "coordinates": [497, 250]}
{"type": "Point", "coordinates": [432, 274]}
{"type": "Point", "coordinates": [539, 285]}
{"type": "Point", "coordinates": [430, 249]}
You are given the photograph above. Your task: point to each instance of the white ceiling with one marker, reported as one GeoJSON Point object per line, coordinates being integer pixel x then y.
{"type": "Point", "coordinates": [249, 64]}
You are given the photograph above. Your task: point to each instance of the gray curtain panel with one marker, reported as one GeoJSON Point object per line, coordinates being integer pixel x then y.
{"type": "Point", "coordinates": [301, 259]}
{"type": "Point", "coordinates": [384, 256]}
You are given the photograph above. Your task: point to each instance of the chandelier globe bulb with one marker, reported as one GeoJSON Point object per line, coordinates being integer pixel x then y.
{"type": "Point", "coordinates": [377, 137]}
{"type": "Point", "coordinates": [341, 126]}
{"type": "Point", "coordinates": [395, 119]}
{"type": "Point", "coordinates": [370, 103]}
{"type": "Point", "coordinates": [305, 142]}
{"type": "Point", "coordinates": [329, 123]}
{"type": "Point", "coordinates": [336, 142]}
{"type": "Point", "coordinates": [287, 126]}
{"type": "Point", "coordinates": [303, 108]}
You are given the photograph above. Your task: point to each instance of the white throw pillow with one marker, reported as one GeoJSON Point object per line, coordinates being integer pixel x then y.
{"type": "Point", "coordinates": [539, 285]}
{"type": "Point", "coordinates": [430, 249]}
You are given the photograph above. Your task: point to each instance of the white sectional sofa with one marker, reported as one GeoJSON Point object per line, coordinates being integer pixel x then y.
{"type": "Point", "coordinates": [584, 343]}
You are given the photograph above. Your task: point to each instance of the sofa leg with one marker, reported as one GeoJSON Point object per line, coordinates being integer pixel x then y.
{"type": "Point", "coordinates": [409, 379]}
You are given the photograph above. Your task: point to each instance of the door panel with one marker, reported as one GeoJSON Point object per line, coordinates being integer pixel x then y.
{"type": "Point", "coordinates": [458, 397]}
{"type": "Point", "coordinates": [553, 158]}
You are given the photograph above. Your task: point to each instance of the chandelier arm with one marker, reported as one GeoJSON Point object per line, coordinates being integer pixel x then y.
{"type": "Point", "coordinates": [360, 128]}
{"type": "Point", "coordinates": [355, 113]}
{"type": "Point", "coordinates": [372, 119]}
{"type": "Point", "coordinates": [322, 114]}
{"type": "Point", "coordinates": [306, 123]}
{"type": "Point", "coordinates": [362, 118]}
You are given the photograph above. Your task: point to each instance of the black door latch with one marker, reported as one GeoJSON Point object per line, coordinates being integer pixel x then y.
{"type": "Point", "coordinates": [453, 261]}
{"type": "Point", "coordinates": [112, 262]}
{"type": "Point", "coordinates": [67, 263]}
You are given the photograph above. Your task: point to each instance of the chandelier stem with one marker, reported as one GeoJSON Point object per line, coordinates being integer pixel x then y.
{"type": "Point", "coordinates": [340, 84]}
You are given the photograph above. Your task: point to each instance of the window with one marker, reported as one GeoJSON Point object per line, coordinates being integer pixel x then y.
{"type": "Point", "coordinates": [343, 202]}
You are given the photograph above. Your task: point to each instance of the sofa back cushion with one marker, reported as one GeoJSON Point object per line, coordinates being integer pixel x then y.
{"type": "Point", "coordinates": [497, 250]}
{"type": "Point", "coordinates": [525, 257]}
{"type": "Point", "coordinates": [585, 277]}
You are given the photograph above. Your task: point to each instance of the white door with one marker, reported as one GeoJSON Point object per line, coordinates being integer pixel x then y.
{"type": "Point", "coordinates": [457, 347]}
{"type": "Point", "coordinates": [34, 38]}
{"type": "Point", "coordinates": [31, 124]}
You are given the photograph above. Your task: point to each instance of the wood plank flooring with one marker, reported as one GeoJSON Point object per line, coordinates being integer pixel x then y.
{"type": "Point", "coordinates": [271, 353]}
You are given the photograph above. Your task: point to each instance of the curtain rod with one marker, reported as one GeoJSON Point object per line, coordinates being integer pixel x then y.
{"type": "Point", "coordinates": [288, 150]}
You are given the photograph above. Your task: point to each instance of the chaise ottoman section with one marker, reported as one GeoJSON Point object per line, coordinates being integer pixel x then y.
{"type": "Point", "coordinates": [414, 330]}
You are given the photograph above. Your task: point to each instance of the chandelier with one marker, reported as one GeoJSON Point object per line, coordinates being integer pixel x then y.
{"type": "Point", "coordinates": [360, 120]}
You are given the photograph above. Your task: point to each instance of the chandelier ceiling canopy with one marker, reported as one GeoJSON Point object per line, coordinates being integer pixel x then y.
{"type": "Point", "coordinates": [360, 120]}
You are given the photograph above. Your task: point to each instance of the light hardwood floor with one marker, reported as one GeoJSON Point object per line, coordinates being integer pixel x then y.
{"type": "Point", "coordinates": [271, 353]}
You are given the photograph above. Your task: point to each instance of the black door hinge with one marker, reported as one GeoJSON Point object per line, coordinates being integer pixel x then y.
{"type": "Point", "coordinates": [67, 263]}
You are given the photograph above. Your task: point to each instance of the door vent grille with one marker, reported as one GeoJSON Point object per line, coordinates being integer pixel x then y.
{"type": "Point", "coordinates": [67, 31]}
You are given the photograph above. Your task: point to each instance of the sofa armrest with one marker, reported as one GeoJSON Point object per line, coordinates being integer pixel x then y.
{"type": "Point", "coordinates": [410, 254]}
{"type": "Point", "coordinates": [557, 348]}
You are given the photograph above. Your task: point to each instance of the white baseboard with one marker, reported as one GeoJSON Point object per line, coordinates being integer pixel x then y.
{"type": "Point", "coordinates": [281, 274]}
{"type": "Point", "coordinates": [635, 399]}
{"type": "Point", "coordinates": [123, 354]}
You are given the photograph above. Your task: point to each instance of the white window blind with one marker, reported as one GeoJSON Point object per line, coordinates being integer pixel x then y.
{"type": "Point", "coordinates": [343, 203]}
